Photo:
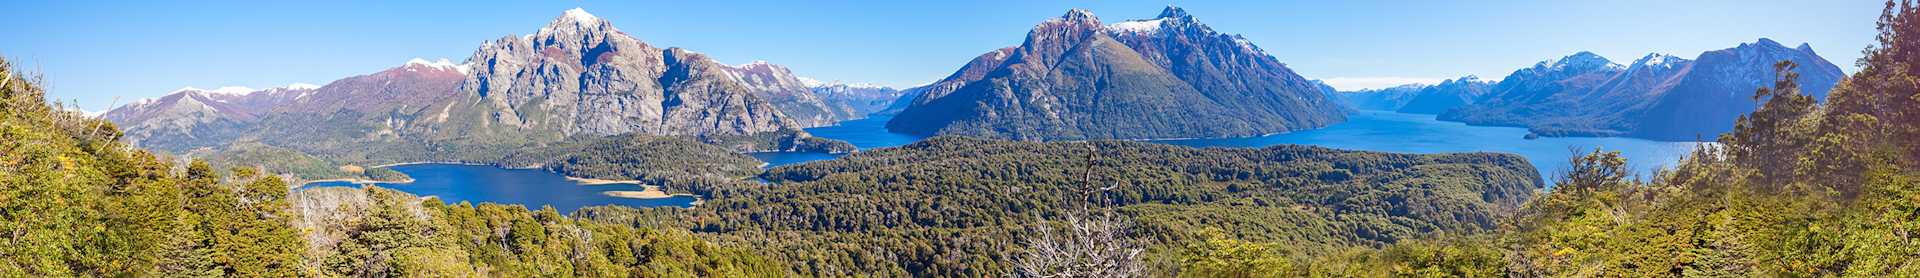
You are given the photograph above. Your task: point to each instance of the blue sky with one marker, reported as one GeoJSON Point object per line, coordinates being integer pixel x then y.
{"type": "Point", "coordinates": [95, 51]}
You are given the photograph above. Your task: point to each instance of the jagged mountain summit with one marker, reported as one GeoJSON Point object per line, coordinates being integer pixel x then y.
{"type": "Point", "coordinates": [576, 76]}
{"type": "Point", "coordinates": [581, 75]}
{"type": "Point", "coordinates": [1658, 96]}
{"type": "Point", "coordinates": [1076, 78]}
{"type": "Point", "coordinates": [810, 102]}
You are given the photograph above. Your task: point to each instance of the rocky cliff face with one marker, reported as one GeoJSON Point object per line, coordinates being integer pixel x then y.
{"type": "Point", "coordinates": [580, 75]}
{"type": "Point", "coordinates": [576, 76]}
{"type": "Point", "coordinates": [788, 93]}
{"type": "Point", "coordinates": [1657, 97]}
{"type": "Point", "coordinates": [809, 102]}
{"type": "Point", "coordinates": [1076, 78]}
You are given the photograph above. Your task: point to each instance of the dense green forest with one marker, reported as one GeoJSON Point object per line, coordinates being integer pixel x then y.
{"type": "Point", "coordinates": [957, 206]}
{"type": "Point", "coordinates": [634, 156]}
{"type": "Point", "coordinates": [1799, 188]}
{"type": "Point", "coordinates": [75, 202]}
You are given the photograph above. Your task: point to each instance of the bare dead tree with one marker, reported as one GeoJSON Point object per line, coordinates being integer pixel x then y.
{"type": "Point", "coordinates": [96, 125]}
{"type": "Point", "coordinates": [1087, 243]}
{"type": "Point", "coordinates": [1090, 247]}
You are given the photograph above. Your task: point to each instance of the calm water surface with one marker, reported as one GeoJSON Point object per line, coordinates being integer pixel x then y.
{"type": "Point", "coordinates": [1384, 131]}
{"type": "Point", "coordinates": [454, 183]}
{"type": "Point", "coordinates": [867, 134]}
{"type": "Point", "coordinates": [1388, 131]}
{"type": "Point", "coordinates": [1364, 130]}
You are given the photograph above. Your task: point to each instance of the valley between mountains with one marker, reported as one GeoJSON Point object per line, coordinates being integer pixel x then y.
{"type": "Point", "coordinates": [1159, 147]}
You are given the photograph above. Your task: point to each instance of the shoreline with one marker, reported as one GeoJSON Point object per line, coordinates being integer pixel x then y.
{"type": "Point", "coordinates": [646, 192]}
{"type": "Point", "coordinates": [427, 162]}
{"type": "Point", "coordinates": [594, 181]}
{"type": "Point", "coordinates": [355, 181]}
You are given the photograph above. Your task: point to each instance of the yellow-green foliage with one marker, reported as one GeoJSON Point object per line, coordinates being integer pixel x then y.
{"type": "Point", "coordinates": [74, 202]}
{"type": "Point", "coordinates": [1798, 189]}
{"type": "Point", "coordinates": [399, 235]}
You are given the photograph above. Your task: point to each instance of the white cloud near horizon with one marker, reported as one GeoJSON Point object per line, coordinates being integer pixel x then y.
{"type": "Point", "coordinates": [1364, 83]}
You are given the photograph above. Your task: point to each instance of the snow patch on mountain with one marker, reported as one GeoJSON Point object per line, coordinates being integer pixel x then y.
{"type": "Point", "coordinates": [1137, 26]}
{"type": "Point", "coordinates": [228, 90]}
{"type": "Point", "coordinates": [816, 83]}
{"type": "Point", "coordinates": [1370, 83]}
{"type": "Point", "coordinates": [581, 15]}
{"type": "Point", "coordinates": [810, 82]}
{"type": "Point", "coordinates": [1073, 15]}
{"type": "Point", "coordinates": [1660, 61]}
{"type": "Point", "coordinates": [443, 63]}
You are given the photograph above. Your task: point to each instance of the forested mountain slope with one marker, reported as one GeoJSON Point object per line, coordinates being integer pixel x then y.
{"type": "Point", "coordinates": [75, 201]}
{"type": "Point", "coordinates": [956, 206]}
{"type": "Point", "coordinates": [1075, 78]}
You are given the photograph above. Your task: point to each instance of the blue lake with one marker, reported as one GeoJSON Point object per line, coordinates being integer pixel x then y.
{"type": "Point", "coordinates": [454, 183]}
{"type": "Point", "coordinates": [1364, 130]}
{"type": "Point", "coordinates": [1384, 131]}
{"type": "Point", "coordinates": [866, 134]}
{"type": "Point", "coordinates": [1388, 131]}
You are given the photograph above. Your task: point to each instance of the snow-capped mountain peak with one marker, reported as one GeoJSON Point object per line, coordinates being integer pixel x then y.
{"type": "Point", "coordinates": [1075, 15]}
{"type": "Point", "coordinates": [574, 21]}
{"type": "Point", "coordinates": [816, 83]}
{"type": "Point", "coordinates": [810, 82]}
{"type": "Point", "coordinates": [1172, 17]}
{"type": "Point", "coordinates": [301, 86]}
{"type": "Point", "coordinates": [228, 90]}
{"type": "Point", "coordinates": [581, 15]}
{"type": "Point", "coordinates": [1174, 12]}
{"type": "Point", "coordinates": [443, 63]}
{"type": "Point", "coordinates": [755, 64]}
{"type": "Point", "coordinates": [1659, 61]}
{"type": "Point", "coordinates": [1582, 61]}
{"type": "Point", "coordinates": [1137, 26]}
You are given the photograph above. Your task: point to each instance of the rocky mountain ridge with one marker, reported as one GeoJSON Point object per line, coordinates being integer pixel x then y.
{"type": "Point", "coordinates": [1077, 78]}
{"type": "Point", "coordinates": [577, 76]}
{"type": "Point", "coordinates": [1658, 96]}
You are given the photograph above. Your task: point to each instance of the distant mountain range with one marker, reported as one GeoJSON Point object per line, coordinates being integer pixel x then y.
{"type": "Point", "coordinates": [812, 103]}
{"type": "Point", "coordinates": [1073, 78]}
{"type": "Point", "coordinates": [1658, 96]}
{"type": "Point", "coordinates": [576, 76]}
{"type": "Point", "coordinates": [1076, 78]}
{"type": "Point", "coordinates": [1420, 98]}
